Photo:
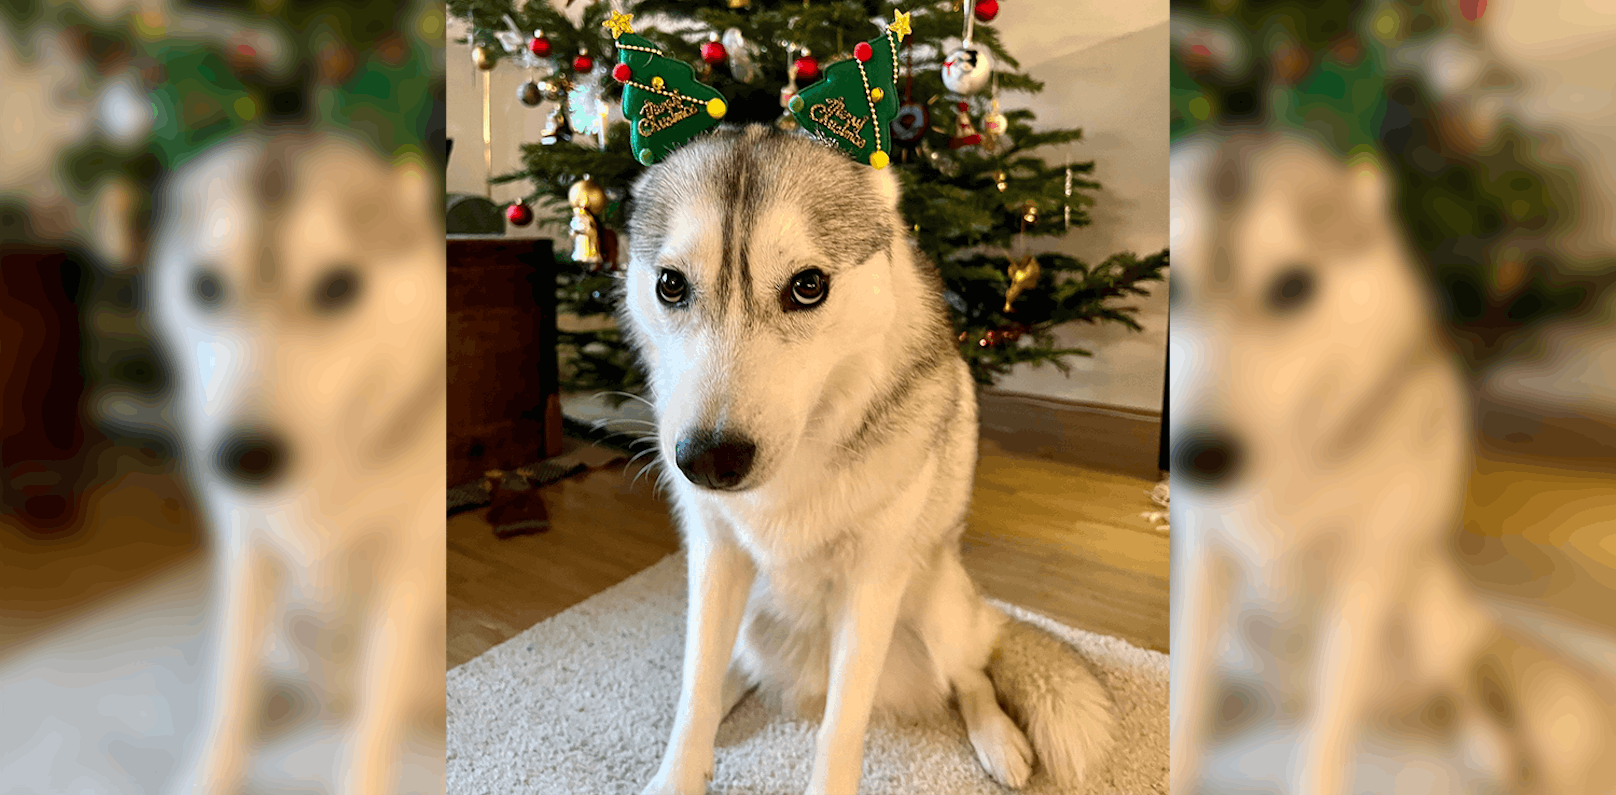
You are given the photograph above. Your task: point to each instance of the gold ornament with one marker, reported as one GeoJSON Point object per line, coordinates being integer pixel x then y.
{"type": "Point", "coordinates": [482, 58]}
{"type": "Point", "coordinates": [1001, 181]}
{"type": "Point", "coordinates": [1029, 214]}
{"type": "Point", "coordinates": [740, 3]}
{"type": "Point", "coordinates": [588, 194]}
{"type": "Point", "coordinates": [1023, 276]}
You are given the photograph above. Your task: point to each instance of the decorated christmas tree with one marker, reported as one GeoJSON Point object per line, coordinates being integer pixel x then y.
{"type": "Point", "coordinates": [926, 89]}
{"type": "Point", "coordinates": [1487, 213]}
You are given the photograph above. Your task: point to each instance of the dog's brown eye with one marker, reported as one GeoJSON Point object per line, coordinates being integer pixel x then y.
{"type": "Point", "coordinates": [209, 290]}
{"type": "Point", "coordinates": [671, 287]}
{"type": "Point", "coordinates": [1291, 290]}
{"type": "Point", "coordinates": [808, 289]}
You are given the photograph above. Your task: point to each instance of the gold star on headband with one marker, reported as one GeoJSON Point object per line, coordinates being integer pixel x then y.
{"type": "Point", "coordinates": [900, 24]}
{"type": "Point", "coordinates": [618, 24]}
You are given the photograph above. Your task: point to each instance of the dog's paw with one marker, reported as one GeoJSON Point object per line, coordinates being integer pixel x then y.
{"type": "Point", "coordinates": [677, 782]}
{"type": "Point", "coordinates": [1003, 750]}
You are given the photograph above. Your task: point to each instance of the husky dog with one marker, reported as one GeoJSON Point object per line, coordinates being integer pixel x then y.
{"type": "Point", "coordinates": [808, 391]}
{"type": "Point", "coordinates": [297, 287]}
{"type": "Point", "coordinates": [1321, 447]}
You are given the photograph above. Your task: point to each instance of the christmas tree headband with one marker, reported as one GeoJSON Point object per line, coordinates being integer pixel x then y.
{"type": "Point", "coordinates": [667, 107]}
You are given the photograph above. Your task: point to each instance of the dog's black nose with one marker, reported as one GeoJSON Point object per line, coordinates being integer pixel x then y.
{"type": "Point", "coordinates": [1206, 457]}
{"type": "Point", "coordinates": [252, 457]}
{"type": "Point", "coordinates": [715, 460]}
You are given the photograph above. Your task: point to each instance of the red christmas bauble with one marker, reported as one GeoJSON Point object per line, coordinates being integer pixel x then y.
{"type": "Point", "coordinates": [583, 62]}
{"type": "Point", "coordinates": [863, 52]}
{"type": "Point", "coordinates": [539, 46]}
{"type": "Point", "coordinates": [808, 68]}
{"type": "Point", "coordinates": [621, 73]}
{"type": "Point", "coordinates": [713, 52]}
{"type": "Point", "coordinates": [986, 10]}
{"type": "Point", "coordinates": [519, 214]}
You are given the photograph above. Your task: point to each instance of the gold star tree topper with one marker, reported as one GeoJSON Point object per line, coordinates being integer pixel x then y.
{"type": "Point", "coordinates": [619, 24]}
{"type": "Point", "coordinates": [900, 24]}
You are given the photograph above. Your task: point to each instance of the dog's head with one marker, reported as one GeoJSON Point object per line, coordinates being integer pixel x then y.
{"type": "Point", "coordinates": [759, 265]}
{"type": "Point", "coordinates": [1294, 303]}
{"type": "Point", "coordinates": [297, 291]}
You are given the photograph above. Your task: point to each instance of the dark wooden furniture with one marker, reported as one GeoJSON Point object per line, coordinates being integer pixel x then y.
{"type": "Point", "coordinates": [504, 410]}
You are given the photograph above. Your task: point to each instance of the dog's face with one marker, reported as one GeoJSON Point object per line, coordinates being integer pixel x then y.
{"type": "Point", "coordinates": [759, 264]}
{"type": "Point", "coordinates": [1294, 304]}
{"type": "Point", "coordinates": [297, 288]}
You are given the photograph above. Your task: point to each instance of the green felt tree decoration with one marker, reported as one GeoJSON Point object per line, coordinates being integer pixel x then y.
{"type": "Point", "coordinates": [664, 103]}
{"type": "Point", "coordinates": [855, 103]}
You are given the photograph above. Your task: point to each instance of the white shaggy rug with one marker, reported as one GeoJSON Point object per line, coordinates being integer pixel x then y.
{"type": "Point", "coordinates": [582, 704]}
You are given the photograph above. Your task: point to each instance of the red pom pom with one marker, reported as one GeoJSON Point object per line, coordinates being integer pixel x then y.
{"type": "Point", "coordinates": [519, 214]}
{"type": "Point", "coordinates": [808, 67]}
{"type": "Point", "coordinates": [583, 62]}
{"type": "Point", "coordinates": [539, 46]}
{"type": "Point", "coordinates": [986, 10]}
{"type": "Point", "coordinates": [964, 107]}
{"type": "Point", "coordinates": [621, 73]}
{"type": "Point", "coordinates": [713, 52]}
{"type": "Point", "coordinates": [863, 52]}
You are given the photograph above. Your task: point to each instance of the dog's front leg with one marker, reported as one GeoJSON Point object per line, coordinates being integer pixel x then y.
{"type": "Point", "coordinates": [720, 580]}
{"type": "Point", "coordinates": [1198, 608]}
{"type": "Point", "coordinates": [862, 623]}
{"type": "Point", "coordinates": [244, 596]}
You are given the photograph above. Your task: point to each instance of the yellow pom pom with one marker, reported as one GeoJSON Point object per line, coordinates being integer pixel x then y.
{"type": "Point", "coordinates": [715, 108]}
{"type": "Point", "coordinates": [879, 159]}
{"type": "Point", "coordinates": [876, 94]}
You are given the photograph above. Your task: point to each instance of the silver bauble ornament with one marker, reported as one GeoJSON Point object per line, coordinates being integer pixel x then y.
{"type": "Point", "coordinates": [529, 93]}
{"type": "Point", "coordinates": [968, 69]}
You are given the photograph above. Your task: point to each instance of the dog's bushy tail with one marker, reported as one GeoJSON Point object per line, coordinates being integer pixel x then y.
{"type": "Point", "coordinates": [1049, 691]}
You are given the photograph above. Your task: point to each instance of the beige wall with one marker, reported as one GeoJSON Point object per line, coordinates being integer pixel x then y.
{"type": "Point", "coordinates": [1105, 67]}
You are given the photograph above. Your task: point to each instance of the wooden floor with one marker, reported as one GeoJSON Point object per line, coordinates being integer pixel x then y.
{"type": "Point", "coordinates": [1061, 540]}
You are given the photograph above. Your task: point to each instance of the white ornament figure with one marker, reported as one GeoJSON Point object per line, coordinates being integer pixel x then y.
{"type": "Point", "coordinates": [585, 237]}
{"type": "Point", "coordinates": [967, 69]}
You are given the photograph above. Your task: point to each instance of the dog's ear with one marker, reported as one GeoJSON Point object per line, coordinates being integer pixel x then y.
{"type": "Point", "coordinates": [419, 195]}
{"type": "Point", "coordinates": [886, 186]}
{"type": "Point", "coordinates": [1370, 186]}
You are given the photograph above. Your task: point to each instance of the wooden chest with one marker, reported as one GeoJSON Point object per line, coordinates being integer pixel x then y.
{"type": "Point", "coordinates": [504, 410]}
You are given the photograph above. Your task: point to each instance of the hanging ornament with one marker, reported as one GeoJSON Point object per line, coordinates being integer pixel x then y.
{"type": "Point", "coordinates": [588, 203]}
{"type": "Point", "coordinates": [856, 114]}
{"type": "Point", "coordinates": [742, 55]}
{"type": "Point", "coordinates": [1023, 276]}
{"type": "Point", "coordinates": [519, 214]}
{"type": "Point", "coordinates": [557, 129]}
{"type": "Point", "coordinates": [584, 108]}
{"type": "Point", "coordinates": [539, 45]}
{"type": "Point", "coordinates": [994, 124]}
{"type": "Point", "coordinates": [910, 124]}
{"type": "Point", "coordinates": [1066, 206]}
{"type": "Point", "coordinates": [1029, 214]}
{"type": "Point", "coordinates": [583, 63]}
{"type": "Point", "coordinates": [965, 133]}
{"type": "Point", "coordinates": [511, 37]}
{"type": "Point", "coordinates": [944, 164]}
{"type": "Point", "coordinates": [807, 66]}
{"type": "Point", "coordinates": [482, 57]}
{"type": "Point", "coordinates": [529, 93]}
{"type": "Point", "coordinates": [712, 51]}
{"type": "Point", "coordinates": [967, 69]}
{"type": "Point", "coordinates": [664, 103]}
{"type": "Point", "coordinates": [1001, 181]}
{"type": "Point", "coordinates": [986, 10]}
{"type": "Point", "coordinates": [740, 3]}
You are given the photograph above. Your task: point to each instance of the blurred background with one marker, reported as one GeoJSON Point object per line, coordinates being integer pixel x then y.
{"type": "Point", "coordinates": [103, 546]}
{"type": "Point", "coordinates": [1491, 123]}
